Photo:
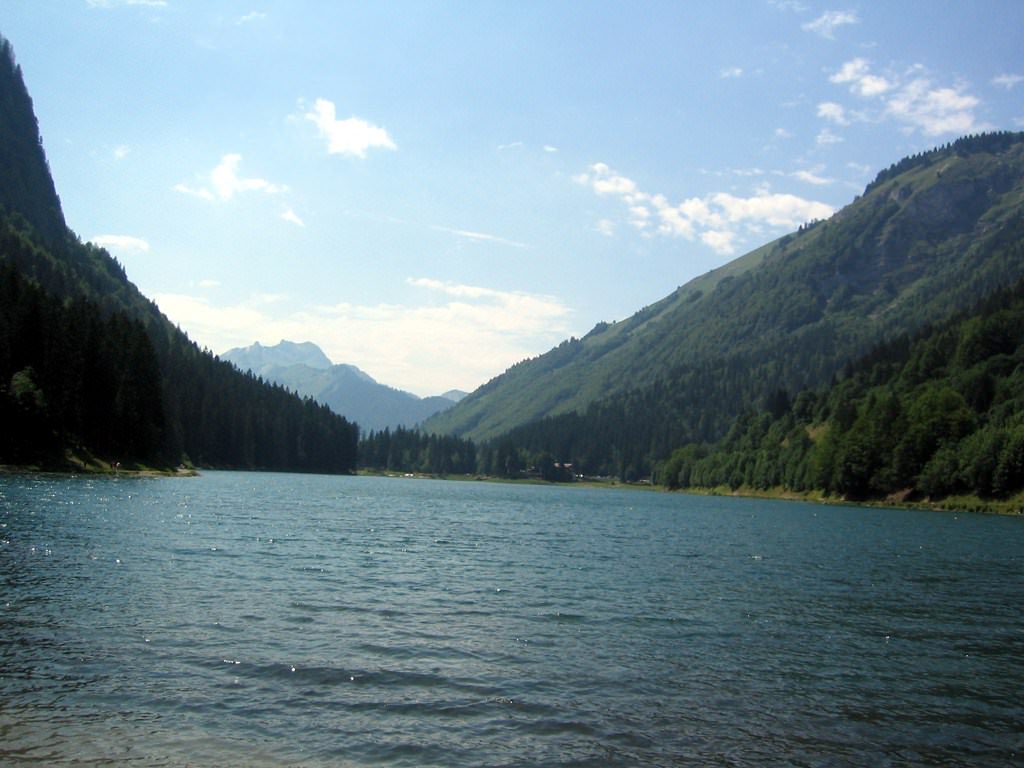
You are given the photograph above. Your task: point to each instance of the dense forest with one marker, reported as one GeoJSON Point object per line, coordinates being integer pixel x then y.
{"type": "Point", "coordinates": [937, 414]}
{"type": "Point", "coordinates": [75, 377]}
{"type": "Point", "coordinates": [90, 367]}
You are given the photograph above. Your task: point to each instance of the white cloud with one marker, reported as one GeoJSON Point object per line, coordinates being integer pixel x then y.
{"type": "Point", "coordinates": [122, 243]}
{"type": "Point", "coordinates": [826, 24]}
{"type": "Point", "coordinates": [458, 336]}
{"type": "Point", "coordinates": [1007, 81]}
{"type": "Point", "coordinates": [226, 182]}
{"type": "Point", "coordinates": [782, 133]}
{"type": "Point", "coordinates": [833, 112]}
{"type": "Point", "coordinates": [605, 227]}
{"type": "Point", "coordinates": [291, 216]}
{"type": "Point", "coordinates": [549, 148]}
{"type": "Point", "coordinates": [933, 111]}
{"type": "Point", "coordinates": [731, 72]}
{"type": "Point", "coordinates": [856, 73]}
{"type": "Point", "coordinates": [351, 136]}
{"type": "Point", "coordinates": [719, 220]}
{"type": "Point", "coordinates": [911, 100]}
{"type": "Point", "coordinates": [720, 242]}
{"type": "Point", "coordinates": [121, 151]}
{"type": "Point", "coordinates": [775, 210]}
{"type": "Point", "coordinates": [510, 145]}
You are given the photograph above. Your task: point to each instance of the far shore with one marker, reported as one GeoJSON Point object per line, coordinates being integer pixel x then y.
{"type": "Point", "coordinates": [1012, 506]}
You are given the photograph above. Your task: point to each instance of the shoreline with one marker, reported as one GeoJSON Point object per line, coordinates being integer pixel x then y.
{"type": "Point", "coordinates": [1011, 507]}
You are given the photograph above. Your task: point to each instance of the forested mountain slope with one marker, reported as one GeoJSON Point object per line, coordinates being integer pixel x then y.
{"type": "Point", "coordinates": [932, 234]}
{"type": "Point", "coordinates": [89, 365]}
{"type": "Point", "coordinates": [933, 415]}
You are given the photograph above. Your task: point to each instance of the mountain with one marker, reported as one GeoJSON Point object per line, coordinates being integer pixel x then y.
{"type": "Point", "coordinates": [28, 188]}
{"type": "Point", "coordinates": [260, 359]}
{"type": "Point", "coordinates": [346, 390]}
{"type": "Point", "coordinates": [933, 415]}
{"type": "Point", "coordinates": [933, 234]}
{"type": "Point", "coordinates": [92, 371]}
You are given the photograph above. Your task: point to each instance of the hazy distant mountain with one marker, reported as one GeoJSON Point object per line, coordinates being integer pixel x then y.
{"type": "Point", "coordinates": [346, 390]}
{"type": "Point", "coordinates": [260, 359]}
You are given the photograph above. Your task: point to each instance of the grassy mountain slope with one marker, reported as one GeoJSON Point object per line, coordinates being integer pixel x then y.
{"type": "Point", "coordinates": [931, 235]}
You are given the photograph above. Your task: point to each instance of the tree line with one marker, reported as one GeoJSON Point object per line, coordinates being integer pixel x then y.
{"type": "Point", "coordinates": [937, 414]}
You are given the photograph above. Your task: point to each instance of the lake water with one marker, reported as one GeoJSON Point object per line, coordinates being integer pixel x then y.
{"type": "Point", "coordinates": [260, 619]}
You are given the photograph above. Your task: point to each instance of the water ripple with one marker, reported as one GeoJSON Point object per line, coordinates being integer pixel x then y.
{"type": "Point", "coordinates": [264, 620]}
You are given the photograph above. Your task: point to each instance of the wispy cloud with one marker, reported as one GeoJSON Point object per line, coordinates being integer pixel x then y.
{"type": "Point", "coordinates": [121, 151]}
{"type": "Point", "coordinates": [351, 136]}
{"type": "Point", "coordinates": [812, 177]}
{"type": "Point", "coordinates": [122, 243]}
{"type": "Point", "coordinates": [457, 336]}
{"type": "Point", "coordinates": [731, 72]}
{"type": "Point", "coordinates": [827, 24]}
{"type": "Point", "coordinates": [1007, 81]}
{"type": "Point", "coordinates": [223, 182]}
{"type": "Point", "coordinates": [826, 137]}
{"type": "Point", "coordinates": [251, 17]}
{"type": "Point", "coordinates": [911, 99]}
{"type": "Point", "coordinates": [479, 236]}
{"type": "Point", "coordinates": [290, 216]}
{"type": "Point", "coordinates": [719, 220]}
{"type": "Point", "coordinates": [788, 5]}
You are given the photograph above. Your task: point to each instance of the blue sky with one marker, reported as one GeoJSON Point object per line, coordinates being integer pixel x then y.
{"type": "Point", "coordinates": [433, 191]}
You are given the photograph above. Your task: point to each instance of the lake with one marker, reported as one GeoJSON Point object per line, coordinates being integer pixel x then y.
{"type": "Point", "coordinates": [265, 619]}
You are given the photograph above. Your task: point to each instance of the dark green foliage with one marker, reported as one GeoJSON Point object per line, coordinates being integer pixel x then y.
{"type": "Point", "coordinates": [72, 377]}
{"type": "Point", "coordinates": [937, 414]}
{"type": "Point", "coordinates": [408, 450]}
{"type": "Point", "coordinates": [25, 184]}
